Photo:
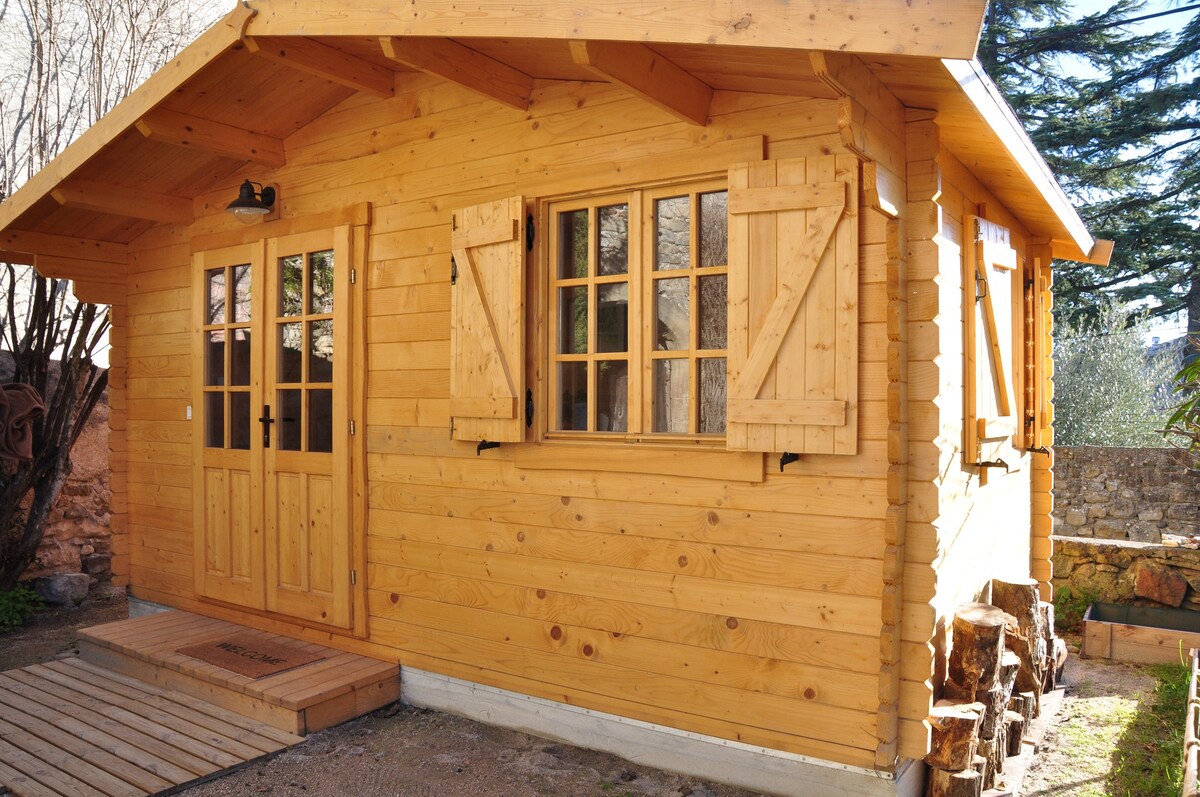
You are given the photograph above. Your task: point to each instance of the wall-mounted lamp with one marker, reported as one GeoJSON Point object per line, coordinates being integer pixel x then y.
{"type": "Point", "coordinates": [251, 205]}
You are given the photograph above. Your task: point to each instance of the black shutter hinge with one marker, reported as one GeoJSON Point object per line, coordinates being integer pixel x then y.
{"type": "Point", "coordinates": [530, 233]}
{"type": "Point", "coordinates": [453, 271]}
{"type": "Point", "coordinates": [528, 407]}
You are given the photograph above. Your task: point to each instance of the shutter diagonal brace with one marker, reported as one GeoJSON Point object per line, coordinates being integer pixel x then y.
{"type": "Point", "coordinates": [470, 280]}
{"type": "Point", "coordinates": [788, 300]}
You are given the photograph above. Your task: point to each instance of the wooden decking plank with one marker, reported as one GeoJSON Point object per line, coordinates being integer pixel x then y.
{"type": "Point", "coordinates": [59, 782]}
{"type": "Point", "coordinates": [312, 690]}
{"type": "Point", "coordinates": [111, 725]}
{"type": "Point", "coordinates": [250, 724]}
{"type": "Point", "coordinates": [181, 741]}
{"type": "Point", "coordinates": [80, 747]}
{"type": "Point", "coordinates": [127, 632]}
{"type": "Point", "coordinates": [327, 670]}
{"type": "Point", "coordinates": [195, 733]}
{"type": "Point", "coordinates": [67, 762]}
{"type": "Point", "coordinates": [136, 755]}
{"type": "Point", "coordinates": [22, 785]}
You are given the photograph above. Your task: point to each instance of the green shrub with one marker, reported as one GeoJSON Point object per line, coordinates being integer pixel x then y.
{"type": "Point", "coordinates": [17, 605]}
{"type": "Point", "coordinates": [1070, 606]}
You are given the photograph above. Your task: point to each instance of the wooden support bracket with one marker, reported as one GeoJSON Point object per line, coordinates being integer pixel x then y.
{"type": "Point", "coordinates": [459, 64]}
{"type": "Point", "coordinates": [330, 63]}
{"type": "Point", "coordinates": [216, 138]}
{"type": "Point", "coordinates": [647, 74]}
{"type": "Point", "coordinates": [121, 201]}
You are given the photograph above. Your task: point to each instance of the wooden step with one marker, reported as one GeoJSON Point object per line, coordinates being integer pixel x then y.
{"type": "Point", "coordinates": [336, 688]}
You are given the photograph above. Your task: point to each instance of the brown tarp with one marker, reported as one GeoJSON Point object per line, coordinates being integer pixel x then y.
{"type": "Point", "coordinates": [20, 406]}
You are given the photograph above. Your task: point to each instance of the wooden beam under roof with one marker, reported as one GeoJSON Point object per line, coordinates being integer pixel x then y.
{"type": "Point", "coordinates": [459, 64]}
{"type": "Point", "coordinates": [63, 246]}
{"type": "Point", "coordinates": [648, 75]}
{"type": "Point", "coordinates": [924, 28]}
{"type": "Point", "coordinates": [215, 138]}
{"type": "Point", "coordinates": [102, 197]}
{"type": "Point", "coordinates": [317, 58]}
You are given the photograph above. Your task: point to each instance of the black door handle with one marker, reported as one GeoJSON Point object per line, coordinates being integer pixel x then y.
{"type": "Point", "coordinates": [266, 420]}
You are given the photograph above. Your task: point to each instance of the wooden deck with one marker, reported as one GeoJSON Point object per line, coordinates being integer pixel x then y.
{"type": "Point", "coordinates": [70, 728]}
{"type": "Point", "coordinates": [336, 688]}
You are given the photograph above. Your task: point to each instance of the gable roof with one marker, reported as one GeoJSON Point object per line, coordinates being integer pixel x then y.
{"type": "Point", "coordinates": [265, 71]}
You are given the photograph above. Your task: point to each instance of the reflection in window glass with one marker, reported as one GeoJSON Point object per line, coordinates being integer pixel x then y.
{"type": "Point", "coordinates": [239, 420]}
{"type": "Point", "coordinates": [714, 303]}
{"type": "Point", "coordinates": [671, 323]}
{"type": "Point", "coordinates": [714, 229]}
{"type": "Point", "coordinates": [612, 396]}
{"type": "Point", "coordinates": [216, 297]}
{"type": "Point", "coordinates": [214, 357]}
{"type": "Point", "coordinates": [289, 419]}
{"type": "Point", "coordinates": [614, 240]}
{"type": "Point", "coordinates": [291, 285]}
{"type": "Point", "coordinates": [214, 420]}
{"type": "Point", "coordinates": [672, 233]}
{"type": "Point", "coordinates": [241, 294]}
{"type": "Point", "coordinates": [573, 244]}
{"type": "Point", "coordinates": [320, 351]}
{"type": "Point", "coordinates": [712, 396]}
{"type": "Point", "coordinates": [291, 348]}
{"type": "Point", "coordinates": [612, 317]}
{"type": "Point", "coordinates": [671, 396]}
{"type": "Point", "coordinates": [320, 420]}
{"type": "Point", "coordinates": [573, 320]}
{"type": "Point", "coordinates": [572, 405]}
{"type": "Point", "coordinates": [239, 357]}
{"type": "Point", "coordinates": [320, 281]}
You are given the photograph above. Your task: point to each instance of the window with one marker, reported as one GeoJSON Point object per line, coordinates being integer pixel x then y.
{"type": "Point", "coordinates": [614, 367]}
{"type": "Point", "coordinates": [227, 357]}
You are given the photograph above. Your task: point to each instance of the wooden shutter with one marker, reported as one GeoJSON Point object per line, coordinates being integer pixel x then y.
{"type": "Point", "coordinates": [991, 383]}
{"type": "Point", "coordinates": [1037, 410]}
{"type": "Point", "coordinates": [793, 306]}
{"type": "Point", "coordinates": [487, 313]}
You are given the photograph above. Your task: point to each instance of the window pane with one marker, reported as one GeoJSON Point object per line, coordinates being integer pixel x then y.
{"type": "Point", "coordinates": [239, 421]}
{"type": "Point", "coordinates": [612, 318]}
{"type": "Point", "coordinates": [671, 396]}
{"type": "Point", "coordinates": [672, 233]}
{"type": "Point", "coordinates": [671, 314]}
{"type": "Point", "coordinates": [291, 348]}
{"type": "Point", "coordinates": [712, 396]}
{"type": "Point", "coordinates": [291, 285]}
{"type": "Point", "coordinates": [241, 294]}
{"type": "Point", "coordinates": [320, 420]}
{"type": "Point", "coordinates": [239, 357]}
{"type": "Point", "coordinates": [320, 282]}
{"type": "Point", "coordinates": [573, 320]}
{"type": "Point", "coordinates": [214, 420]}
{"type": "Point", "coordinates": [320, 352]}
{"type": "Point", "coordinates": [614, 240]}
{"type": "Point", "coordinates": [573, 244]}
{"type": "Point", "coordinates": [612, 396]}
{"type": "Point", "coordinates": [216, 297]}
{"type": "Point", "coordinates": [288, 419]}
{"type": "Point", "coordinates": [714, 229]}
{"type": "Point", "coordinates": [714, 303]}
{"type": "Point", "coordinates": [572, 406]}
{"type": "Point", "coordinates": [214, 357]}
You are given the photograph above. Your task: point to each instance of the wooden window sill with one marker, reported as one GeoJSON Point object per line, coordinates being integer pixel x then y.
{"type": "Point", "coordinates": [697, 460]}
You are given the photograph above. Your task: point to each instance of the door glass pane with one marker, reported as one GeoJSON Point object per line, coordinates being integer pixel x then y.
{"type": "Point", "coordinates": [288, 419]}
{"type": "Point", "coordinates": [712, 396]}
{"type": "Point", "coordinates": [672, 233]}
{"type": "Point", "coordinates": [320, 351]}
{"type": "Point", "coordinates": [216, 297]}
{"type": "Point", "coordinates": [671, 314]}
{"type": "Point", "coordinates": [239, 357]}
{"type": "Point", "coordinates": [320, 281]}
{"type": "Point", "coordinates": [573, 320]}
{"type": "Point", "coordinates": [573, 244]}
{"type": "Point", "coordinates": [614, 240]}
{"type": "Point", "coordinates": [239, 420]}
{"type": "Point", "coordinates": [214, 420]}
{"type": "Point", "coordinates": [714, 229]}
{"type": "Point", "coordinates": [612, 317]}
{"type": "Point", "coordinates": [714, 301]}
{"type": "Point", "coordinates": [291, 285]}
{"type": "Point", "coordinates": [572, 406]}
{"type": "Point", "coordinates": [612, 395]}
{"type": "Point", "coordinates": [671, 396]}
{"type": "Point", "coordinates": [214, 357]}
{"type": "Point", "coordinates": [241, 294]}
{"type": "Point", "coordinates": [320, 420]}
{"type": "Point", "coordinates": [291, 348]}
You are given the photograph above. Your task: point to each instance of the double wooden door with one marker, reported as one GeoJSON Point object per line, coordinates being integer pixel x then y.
{"type": "Point", "coordinates": [272, 482]}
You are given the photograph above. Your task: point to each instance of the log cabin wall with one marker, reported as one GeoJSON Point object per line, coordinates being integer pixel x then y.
{"type": "Point", "coordinates": [685, 589]}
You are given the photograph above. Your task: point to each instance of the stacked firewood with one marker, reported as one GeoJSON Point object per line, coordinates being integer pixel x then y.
{"type": "Point", "coordinates": [1004, 655]}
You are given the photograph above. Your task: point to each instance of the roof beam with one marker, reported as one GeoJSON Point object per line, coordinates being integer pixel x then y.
{"type": "Point", "coordinates": [215, 138]}
{"type": "Point", "coordinates": [928, 28]}
{"type": "Point", "coordinates": [330, 63]}
{"type": "Point", "coordinates": [648, 75]}
{"type": "Point", "coordinates": [101, 197]}
{"type": "Point", "coordinates": [468, 68]}
{"type": "Point", "coordinates": [62, 246]}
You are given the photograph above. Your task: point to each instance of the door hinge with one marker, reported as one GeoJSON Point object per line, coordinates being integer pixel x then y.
{"type": "Point", "coordinates": [353, 276]}
{"type": "Point", "coordinates": [453, 271]}
{"type": "Point", "coordinates": [530, 233]}
{"type": "Point", "coordinates": [451, 427]}
{"type": "Point", "coordinates": [351, 427]}
{"type": "Point", "coordinates": [353, 577]}
{"type": "Point", "coordinates": [528, 407]}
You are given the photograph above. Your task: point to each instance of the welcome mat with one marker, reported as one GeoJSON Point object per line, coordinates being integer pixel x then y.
{"type": "Point", "coordinates": [249, 655]}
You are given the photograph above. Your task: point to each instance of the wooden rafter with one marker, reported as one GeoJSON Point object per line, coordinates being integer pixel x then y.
{"type": "Point", "coordinates": [216, 138]}
{"type": "Point", "coordinates": [460, 64]}
{"type": "Point", "coordinates": [48, 245]}
{"type": "Point", "coordinates": [120, 201]}
{"type": "Point", "coordinates": [647, 74]}
{"type": "Point", "coordinates": [330, 63]}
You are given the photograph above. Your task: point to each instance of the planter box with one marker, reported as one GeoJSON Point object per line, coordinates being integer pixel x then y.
{"type": "Point", "coordinates": [1139, 634]}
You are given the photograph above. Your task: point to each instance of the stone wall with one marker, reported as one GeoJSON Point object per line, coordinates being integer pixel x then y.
{"type": "Point", "coordinates": [1124, 493]}
{"type": "Point", "coordinates": [1123, 571]}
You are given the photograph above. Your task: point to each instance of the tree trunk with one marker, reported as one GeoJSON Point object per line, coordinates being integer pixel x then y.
{"type": "Point", "coordinates": [977, 640]}
{"type": "Point", "coordinates": [1026, 637]}
{"type": "Point", "coordinates": [955, 734]}
{"type": "Point", "coordinates": [943, 783]}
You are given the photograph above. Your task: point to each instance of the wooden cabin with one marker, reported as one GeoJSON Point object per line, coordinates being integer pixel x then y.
{"type": "Point", "coordinates": [638, 374]}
